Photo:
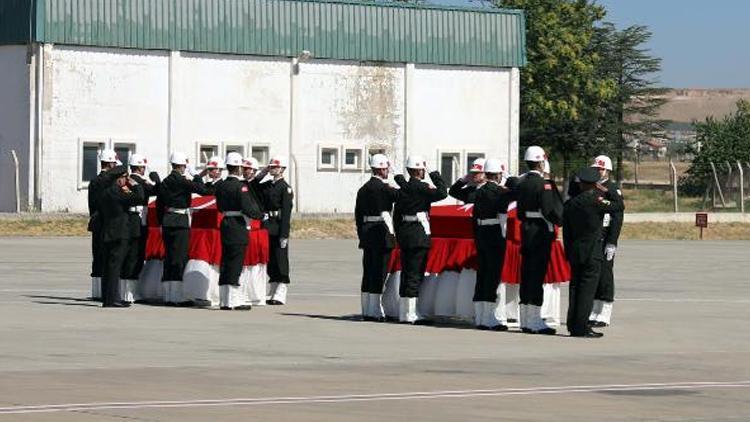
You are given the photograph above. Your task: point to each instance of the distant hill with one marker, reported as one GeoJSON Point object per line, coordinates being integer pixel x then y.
{"type": "Point", "coordinates": [686, 105]}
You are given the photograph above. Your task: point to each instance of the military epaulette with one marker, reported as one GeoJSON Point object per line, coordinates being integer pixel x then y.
{"type": "Point", "coordinates": [547, 186]}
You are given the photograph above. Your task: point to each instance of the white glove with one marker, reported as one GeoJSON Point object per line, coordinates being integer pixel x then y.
{"type": "Point", "coordinates": [265, 217]}
{"type": "Point", "coordinates": [283, 242]}
{"type": "Point", "coordinates": [609, 251]}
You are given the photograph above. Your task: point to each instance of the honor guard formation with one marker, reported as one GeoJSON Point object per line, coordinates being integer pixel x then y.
{"type": "Point", "coordinates": [387, 216]}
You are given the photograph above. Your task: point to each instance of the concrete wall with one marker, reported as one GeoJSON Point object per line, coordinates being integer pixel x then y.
{"type": "Point", "coordinates": [163, 101]}
{"type": "Point", "coordinates": [15, 113]}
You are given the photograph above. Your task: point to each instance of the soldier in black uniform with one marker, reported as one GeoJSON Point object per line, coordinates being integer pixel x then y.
{"type": "Point", "coordinates": [137, 228]}
{"type": "Point", "coordinates": [173, 208]}
{"type": "Point", "coordinates": [376, 233]}
{"type": "Point", "coordinates": [114, 202]}
{"type": "Point", "coordinates": [582, 228]}
{"type": "Point", "coordinates": [107, 160]}
{"type": "Point", "coordinates": [276, 196]}
{"type": "Point", "coordinates": [411, 217]}
{"type": "Point", "coordinates": [601, 313]}
{"type": "Point", "coordinates": [234, 201]}
{"type": "Point", "coordinates": [489, 214]}
{"type": "Point", "coordinates": [539, 209]}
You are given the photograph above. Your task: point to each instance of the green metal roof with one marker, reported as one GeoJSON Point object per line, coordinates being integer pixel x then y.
{"type": "Point", "coordinates": [366, 31]}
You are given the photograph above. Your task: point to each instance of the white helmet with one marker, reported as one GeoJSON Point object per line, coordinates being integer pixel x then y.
{"type": "Point", "coordinates": [251, 163]}
{"type": "Point", "coordinates": [234, 159]}
{"type": "Point", "coordinates": [137, 160]}
{"type": "Point", "coordinates": [602, 162]}
{"type": "Point", "coordinates": [546, 168]}
{"type": "Point", "coordinates": [416, 162]}
{"type": "Point", "coordinates": [108, 156]}
{"type": "Point", "coordinates": [215, 163]}
{"type": "Point", "coordinates": [178, 159]}
{"type": "Point", "coordinates": [279, 161]}
{"type": "Point", "coordinates": [478, 166]}
{"type": "Point", "coordinates": [379, 161]}
{"type": "Point", "coordinates": [535, 154]}
{"type": "Point", "coordinates": [493, 165]}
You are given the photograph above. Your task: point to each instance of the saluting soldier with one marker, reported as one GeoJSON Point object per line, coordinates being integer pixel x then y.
{"type": "Point", "coordinates": [137, 228]}
{"type": "Point", "coordinates": [173, 206]}
{"type": "Point", "coordinates": [107, 161]}
{"type": "Point", "coordinates": [412, 223]}
{"type": "Point", "coordinates": [372, 214]}
{"type": "Point", "coordinates": [214, 166]}
{"type": "Point", "coordinates": [582, 230]}
{"type": "Point", "coordinates": [276, 196]}
{"type": "Point", "coordinates": [601, 313]}
{"type": "Point", "coordinates": [539, 209]}
{"type": "Point", "coordinates": [484, 188]}
{"type": "Point", "coordinates": [237, 206]}
{"type": "Point", "coordinates": [250, 168]}
{"type": "Point", "coordinates": [114, 202]}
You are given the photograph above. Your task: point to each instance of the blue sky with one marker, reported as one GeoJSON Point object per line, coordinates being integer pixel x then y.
{"type": "Point", "coordinates": [702, 44]}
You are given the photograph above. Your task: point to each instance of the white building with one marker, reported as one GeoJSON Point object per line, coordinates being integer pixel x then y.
{"type": "Point", "coordinates": [208, 77]}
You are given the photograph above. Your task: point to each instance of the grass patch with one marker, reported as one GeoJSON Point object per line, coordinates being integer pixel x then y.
{"type": "Point", "coordinates": [72, 226]}
{"type": "Point", "coordinates": [651, 200]}
{"type": "Point", "coordinates": [685, 231]}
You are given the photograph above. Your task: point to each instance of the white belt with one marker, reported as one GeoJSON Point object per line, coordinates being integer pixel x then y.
{"type": "Point", "coordinates": [136, 210]}
{"type": "Point", "coordinates": [489, 222]}
{"type": "Point", "coordinates": [539, 215]}
{"type": "Point", "coordinates": [233, 214]}
{"type": "Point", "coordinates": [410, 218]}
{"type": "Point", "coordinates": [185, 211]}
{"type": "Point", "coordinates": [274, 213]}
{"type": "Point", "coordinates": [373, 219]}
{"type": "Point", "coordinates": [422, 218]}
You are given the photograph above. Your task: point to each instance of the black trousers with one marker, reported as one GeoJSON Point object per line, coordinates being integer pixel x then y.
{"type": "Point", "coordinates": [536, 246]}
{"type": "Point", "coordinates": [490, 245]}
{"type": "Point", "coordinates": [278, 262]}
{"type": "Point", "coordinates": [232, 260]}
{"type": "Point", "coordinates": [606, 290]}
{"type": "Point", "coordinates": [583, 284]}
{"type": "Point", "coordinates": [136, 253]}
{"type": "Point", "coordinates": [97, 253]}
{"type": "Point", "coordinates": [176, 246]}
{"type": "Point", "coordinates": [113, 257]}
{"type": "Point", "coordinates": [413, 265]}
{"type": "Point", "coordinates": [374, 269]}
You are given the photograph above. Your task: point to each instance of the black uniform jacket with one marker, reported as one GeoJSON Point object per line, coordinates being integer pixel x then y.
{"type": "Point", "coordinates": [612, 233]}
{"type": "Point", "coordinates": [96, 187]}
{"type": "Point", "coordinates": [113, 207]}
{"type": "Point", "coordinates": [416, 196]}
{"type": "Point", "coordinates": [233, 194]}
{"type": "Point", "coordinates": [148, 189]}
{"type": "Point", "coordinates": [175, 191]}
{"type": "Point", "coordinates": [489, 199]}
{"type": "Point", "coordinates": [373, 198]}
{"type": "Point", "coordinates": [277, 198]}
{"type": "Point", "coordinates": [582, 226]}
{"type": "Point", "coordinates": [537, 194]}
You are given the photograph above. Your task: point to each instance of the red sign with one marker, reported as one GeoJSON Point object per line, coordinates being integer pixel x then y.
{"type": "Point", "coordinates": [701, 219]}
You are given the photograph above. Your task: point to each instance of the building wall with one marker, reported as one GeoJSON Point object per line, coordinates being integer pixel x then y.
{"type": "Point", "coordinates": [15, 112]}
{"type": "Point", "coordinates": [163, 101]}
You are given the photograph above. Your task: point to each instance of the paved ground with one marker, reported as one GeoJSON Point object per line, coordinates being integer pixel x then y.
{"type": "Point", "coordinates": [679, 349]}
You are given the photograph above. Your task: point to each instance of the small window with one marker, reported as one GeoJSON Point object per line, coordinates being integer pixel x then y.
{"type": "Point", "coordinates": [261, 153]}
{"type": "Point", "coordinates": [124, 151]}
{"type": "Point", "coordinates": [470, 157]}
{"type": "Point", "coordinates": [240, 149]}
{"type": "Point", "coordinates": [352, 159]}
{"type": "Point", "coordinates": [205, 152]}
{"type": "Point", "coordinates": [450, 166]}
{"type": "Point", "coordinates": [328, 158]}
{"type": "Point", "coordinates": [90, 160]}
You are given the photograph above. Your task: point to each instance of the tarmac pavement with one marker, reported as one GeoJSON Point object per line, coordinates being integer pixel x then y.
{"type": "Point", "coordinates": [678, 350]}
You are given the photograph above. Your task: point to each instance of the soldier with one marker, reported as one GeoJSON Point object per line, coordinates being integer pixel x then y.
{"type": "Point", "coordinates": [173, 207]}
{"type": "Point", "coordinates": [412, 222]}
{"type": "Point", "coordinates": [234, 201]}
{"type": "Point", "coordinates": [114, 202]}
{"type": "Point", "coordinates": [137, 228]}
{"type": "Point", "coordinates": [215, 165]}
{"type": "Point", "coordinates": [539, 209]}
{"type": "Point", "coordinates": [276, 196]}
{"type": "Point", "coordinates": [372, 215]}
{"type": "Point", "coordinates": [250, 167]}
{"type": "Point", "coordinates": [107, 160]}
{"type": "Point", "coordinates": [612, 225]}
{"type": "Point", "coordinates": [484, 188]}
{"type": "Point", "coordinates": [582, 229]}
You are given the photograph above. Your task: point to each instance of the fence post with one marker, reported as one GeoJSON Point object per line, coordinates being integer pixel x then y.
{"type": "Point", "coordinates": [742, 187]}
{"type": "Point", "coordinates": [674, 183]}
{"type": "Point", "coordinates": [18, 190]}
{"type": "Point", "coordinates": [717, 186]}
